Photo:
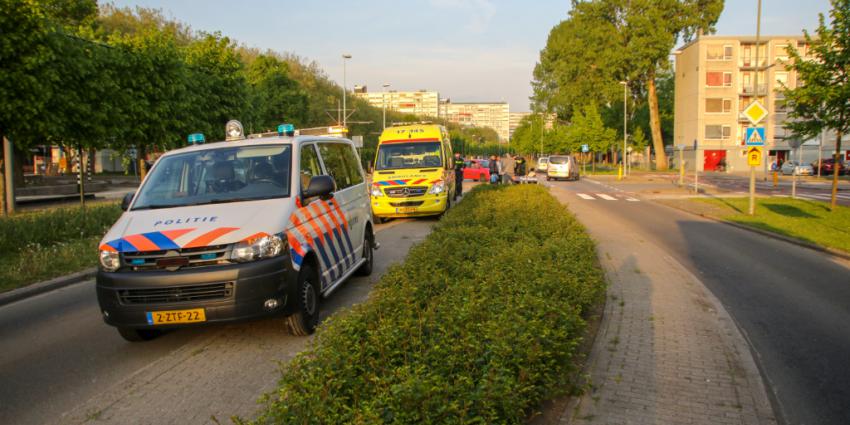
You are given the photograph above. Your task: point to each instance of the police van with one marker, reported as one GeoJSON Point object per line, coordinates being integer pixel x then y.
{"type": "Point", "coordinates": [234, 230]}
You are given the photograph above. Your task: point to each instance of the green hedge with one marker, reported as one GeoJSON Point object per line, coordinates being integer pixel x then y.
{"type": "Point", "coordinates": [59, 225]}
{"type": "Point", "coordinates": [480, 324]}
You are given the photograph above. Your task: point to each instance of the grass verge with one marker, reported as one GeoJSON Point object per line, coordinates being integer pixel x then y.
{"type": "Point", "coordinates": [480, 324]}
{"type": "Point", "coordinates": [809, 221]}
{"type": "Point", "coordinates": [40, 245]}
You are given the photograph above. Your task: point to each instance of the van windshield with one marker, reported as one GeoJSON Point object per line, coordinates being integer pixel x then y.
{"type": "Point", "coordinates": [216, 176]}
{"type": "Point", "coordinates": [392, 156]}
{"type": "Point", "coordinates": [558, 159]}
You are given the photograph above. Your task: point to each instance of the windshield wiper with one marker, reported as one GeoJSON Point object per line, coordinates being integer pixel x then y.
{"type": "Point", "coordinates": [155, 206]}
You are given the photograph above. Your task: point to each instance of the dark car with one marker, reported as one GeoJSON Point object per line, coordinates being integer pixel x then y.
{"type": "Point", "coordinates": [827, 165]}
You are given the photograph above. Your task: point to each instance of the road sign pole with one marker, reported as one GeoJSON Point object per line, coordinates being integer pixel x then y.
{"type": "Point", "coordinates": [696, 168]}
{"type": "Point", "coordinates": [752, 209]}
{"type": "Point", "coordinates": [681, 167]}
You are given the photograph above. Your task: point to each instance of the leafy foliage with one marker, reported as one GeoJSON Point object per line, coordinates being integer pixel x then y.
{"type": "Point", "coordinates": [819, 102]}
{"type": "Point", "coordinates": [481, 336]}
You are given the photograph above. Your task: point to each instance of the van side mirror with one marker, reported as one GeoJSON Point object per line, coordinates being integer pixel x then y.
{"type": "Point", "coordinates": [125, 203]}
{"type": "Point", "coordinates": [321, 186]}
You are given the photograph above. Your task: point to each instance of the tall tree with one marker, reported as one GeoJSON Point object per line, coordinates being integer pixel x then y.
{"type": "Point", "coordinates": [820, 100]}
{"type": "Point", "coordinates": [607, 41]}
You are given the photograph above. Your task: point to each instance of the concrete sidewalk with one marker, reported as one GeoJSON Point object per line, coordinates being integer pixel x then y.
{"type": "Point", "coordinates": [667, 352]}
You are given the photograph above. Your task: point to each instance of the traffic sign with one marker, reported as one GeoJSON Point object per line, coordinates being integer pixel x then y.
{"type": "Point", "coordinates": [755, 136]}
{"type": "Point", "coordinates": [585, 148]}
{"type": "Point", "coordinates": [754, 156]}
{"type": "Point", "coordinates": [755, 112]}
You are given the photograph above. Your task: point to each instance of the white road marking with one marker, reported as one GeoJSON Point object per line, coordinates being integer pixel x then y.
{"type": "Point", "coordinates": [606, 197]}
{"type": "Point", "coordinates": [585, 196]}
{"type": "Point", "coordinates": [633, 200]}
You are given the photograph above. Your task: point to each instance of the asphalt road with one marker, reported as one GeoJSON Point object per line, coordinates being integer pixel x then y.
{"type": "Point", "coordinates": [809, 188]}
{"type": "Point", "coordinates": [57, 354]}
{"type": "Point", "coordinates": [792, 303]}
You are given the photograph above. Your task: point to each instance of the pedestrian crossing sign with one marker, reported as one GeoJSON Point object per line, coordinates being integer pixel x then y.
{"type": "Point", "coordinates": [755, 136]}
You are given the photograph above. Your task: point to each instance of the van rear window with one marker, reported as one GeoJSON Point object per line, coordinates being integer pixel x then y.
{"type": "Point", "coordinates": [558, 159]}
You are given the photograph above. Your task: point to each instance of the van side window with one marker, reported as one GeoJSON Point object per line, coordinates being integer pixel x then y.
{"type": "Point", "coordinates": [309, 165]}
{"type": "Point", "coordinates": [352, 163]}
{"type": "Point", "coordinates": [333, 155]}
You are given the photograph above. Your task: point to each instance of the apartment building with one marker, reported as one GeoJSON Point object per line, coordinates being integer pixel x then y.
{"type": "Point", "coordinates": [423, 102]}
{"type": "Point", "coordinates": [514, 121]}
{"type": "Point", "coordinates": [495, 115]}
{"type": "Point", "coordinates": [717, 77]}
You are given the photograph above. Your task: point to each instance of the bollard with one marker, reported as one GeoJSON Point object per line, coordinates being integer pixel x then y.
{"type": "Point", "coordinates": [775, 179]}
{"type": "Point", "coordinates": [620, 172]}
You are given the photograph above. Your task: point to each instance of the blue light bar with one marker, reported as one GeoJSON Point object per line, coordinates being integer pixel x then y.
{"type": "Point", "coordinates": [196, 138]}
{"type": "Point", "coordinates": [286, 130]}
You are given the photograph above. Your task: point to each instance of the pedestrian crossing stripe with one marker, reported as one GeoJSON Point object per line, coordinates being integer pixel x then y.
{"type": "Point", "coordinates": [590, 197]}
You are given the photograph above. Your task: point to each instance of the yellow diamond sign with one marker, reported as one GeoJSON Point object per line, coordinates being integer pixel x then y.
{"type": "Point", "coordinates": [755, 112]}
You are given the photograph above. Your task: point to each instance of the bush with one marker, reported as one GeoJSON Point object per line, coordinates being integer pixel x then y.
{"type": "Point", "coordinates": [54, 226]}
{"type": "Point", "coordinates": [479, 325]}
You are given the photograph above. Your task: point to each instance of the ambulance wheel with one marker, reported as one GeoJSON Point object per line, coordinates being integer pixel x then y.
{"type": "Point", "coordinates": [368, 254]}
{"type": "Point", "coordinates": [306, 318]}
{"type": "Point", "coordinates": [138, 335]}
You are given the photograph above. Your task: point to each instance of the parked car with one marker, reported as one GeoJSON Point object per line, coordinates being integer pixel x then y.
{"type": "Point", "coordinates": [794, 167]}
{"type": "Point", "coordinates": [477, 169]}
{"type": "Point", "coordinates": [828, 164]}
{"type": "Point", "coordinates": [543, 163]}
{"type": "Point", "coordinates": [562, 167]}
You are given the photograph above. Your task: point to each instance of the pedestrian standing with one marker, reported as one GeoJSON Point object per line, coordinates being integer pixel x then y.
{"type": "Point", "coordinates": [519, 166]}
{"type": "Point", "coordinates": [459, 164]}
{"type": "Point", "coordinates": [495, 169]}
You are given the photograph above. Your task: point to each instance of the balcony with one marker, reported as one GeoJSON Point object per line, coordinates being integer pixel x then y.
{"type": "Point", "coordinates": [750, 90]}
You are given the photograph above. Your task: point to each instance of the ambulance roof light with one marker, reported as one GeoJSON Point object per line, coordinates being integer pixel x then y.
{"type": "Point", "coordinates": [233, 131]}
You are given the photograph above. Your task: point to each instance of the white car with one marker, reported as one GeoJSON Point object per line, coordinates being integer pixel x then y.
{"type": "Point", "coordinates": [228, 231]}
{"type": "Point", "coordinates": [794, 167]}
{"type": "Point", "coordinates": [562, 167]}
{"type": "Point", "coordinates": [542, 163]}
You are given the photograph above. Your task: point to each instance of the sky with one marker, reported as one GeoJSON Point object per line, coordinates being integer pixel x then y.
{"type": "Point", "coordinates": [468, 50]}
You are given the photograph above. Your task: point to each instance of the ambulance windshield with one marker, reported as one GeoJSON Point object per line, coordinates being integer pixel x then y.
{"type": "Point", "coordinates": [392, 156]}
{"type": "Point", "coordinates": [218, 175]}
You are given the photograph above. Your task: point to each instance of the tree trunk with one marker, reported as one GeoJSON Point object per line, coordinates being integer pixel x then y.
{"type": "Point", "coordinates": [2, 177]}
{"type": "Point", "coordinates": [835, 157]}
{"type": "Point", "coordinates": [655, 123]}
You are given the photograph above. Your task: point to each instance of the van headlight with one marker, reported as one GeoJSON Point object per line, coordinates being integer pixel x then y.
{"type": "Point", "coordinates": [437, 188]}
{"type": "Point", "coordinates": [262, 247]}
{"type": "Point", "coordinates": [376, 191]}
{"type": "Point", "coordinates": [110, 261]}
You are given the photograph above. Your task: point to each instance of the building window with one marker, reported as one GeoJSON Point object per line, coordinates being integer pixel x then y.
{"type": "Point", "coordinates": [718, 106]}
{"type": "Point", "coordinates": [718, 132]}
{"type": "Point", "coordinates": [719, 52]}
{"type": "Point", "coordinates": [718, 79]}
{"type": "Point", "coordinates": [780, 52]}
{"type": "Point", "coordinates": [781, 80]}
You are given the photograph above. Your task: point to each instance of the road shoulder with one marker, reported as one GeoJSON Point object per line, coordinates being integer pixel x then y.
{"type": "Point", "coordinates": [667, 351]}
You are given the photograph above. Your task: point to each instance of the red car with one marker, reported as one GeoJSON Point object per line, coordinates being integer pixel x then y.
{"type": "Point", "coordinates": [477, 169]}
{"type": "Point", "coordinates": [827, 165]}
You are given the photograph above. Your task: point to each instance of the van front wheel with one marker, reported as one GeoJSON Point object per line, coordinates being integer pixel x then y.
{"type": "Point", "coordinates": [368, 254]}
{"type": "Point", "coordinates": [306, 318]}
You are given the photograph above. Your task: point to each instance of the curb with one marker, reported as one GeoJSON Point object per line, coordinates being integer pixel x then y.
{"type": "Point", "coordinates": [45, 286]}
{"type": "Point", "coordinates": [794, 241]}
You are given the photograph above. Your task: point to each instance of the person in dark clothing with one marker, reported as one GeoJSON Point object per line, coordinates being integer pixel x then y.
{"type": "Point", "coordinates": [459, 165]}
{"type": "Point", "coordinates": [519, 166]}
{"type": "Point", "coordinates": [495, 170]}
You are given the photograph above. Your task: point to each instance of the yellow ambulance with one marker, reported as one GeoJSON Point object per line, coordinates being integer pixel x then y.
{"type": "Point", "coordinates": [413, 173]}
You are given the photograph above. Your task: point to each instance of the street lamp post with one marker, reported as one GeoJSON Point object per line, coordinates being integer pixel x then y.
{"type": "Point", "coordinates": [384, 102]}
{"type": "Point", "coordinates": [625, 124]}
{"type": "Point", "coordinates": [344, 84]}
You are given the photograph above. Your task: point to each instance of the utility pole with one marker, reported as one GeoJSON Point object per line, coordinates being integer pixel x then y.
{"type": "Point", "coordinates": [8, 157]}
{"type": "Point", "coordinates": [752, 209]}
{"type": "Point", "coordinates": [345, 56]}
{"type": "Point", "coordinates": [625, 125]}
{"type": "Point", "coordinates": [384, 102]}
